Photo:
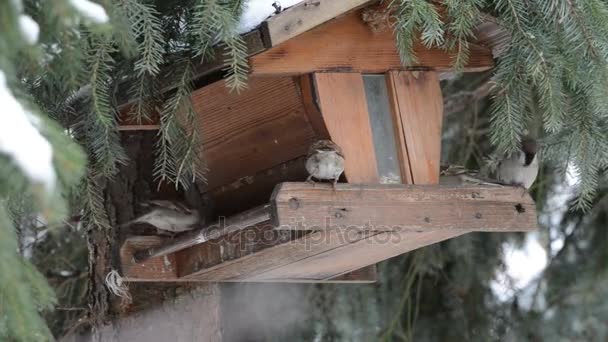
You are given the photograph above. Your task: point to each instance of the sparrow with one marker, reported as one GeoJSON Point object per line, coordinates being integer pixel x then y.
{"type": "Point", "coordinates": [325, 161]}
{"type": "Point", "coordinates": [168, 216]}
{"type": "Point", "coordinates": [520, 169]}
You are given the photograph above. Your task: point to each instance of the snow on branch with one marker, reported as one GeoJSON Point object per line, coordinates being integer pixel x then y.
{"type": "Point", "coordinates": [21, 140]}
{"type": "Point", "coordinates": [90, 10]}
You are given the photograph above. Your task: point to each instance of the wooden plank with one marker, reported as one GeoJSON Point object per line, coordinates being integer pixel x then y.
{"type": "Point", "coordinates": [397, 207]}
{"type": "Point", "coordinates": [321, 257]}
{"type": "Point", "coordinates": [374, 249]}
{"type": "Point", "coordinates": [303, 17]}
{"type": "Point", "coordinates": [364, 275]}
{"type": "Point", "coordinates": [247, 266]}
{"type": "Point", "coordinates": [347, 44]}
{"type": "Point", "coordinates": [311, 106]}
{"type": "Point", "coordinates": [404, 159]}
{"type": "Point", "coordinates": [418, 109]}
{"type": "Point", "coordinates": [343, 106]}
{"type": "Point", "coordinates": [243, 134]}
{"type": "Point", "coordinates": [162, 268]}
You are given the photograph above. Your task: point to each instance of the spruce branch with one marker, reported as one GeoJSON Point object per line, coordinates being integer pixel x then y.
{"type": "Point", "coordinates": [217, 22]}
{"type": "Point", "coordinates": [178, 157]}
{"type": "Point", "coordinates": [101, 124]}
{"type": "Point", "coordinates": [464, 15]}
{"type": "Point", "coordinates": [413, 19]}
{"type": "Point", "coordinates": [145, 27]}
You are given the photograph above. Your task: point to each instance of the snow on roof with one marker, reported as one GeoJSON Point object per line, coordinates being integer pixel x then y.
{"type": "Point", "coordinates": [257, 11]}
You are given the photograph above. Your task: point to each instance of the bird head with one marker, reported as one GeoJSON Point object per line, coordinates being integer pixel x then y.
{"type": "Point", "coordinates": [324, 146]}
{"type": "Point", "coordinates": [529, 148]}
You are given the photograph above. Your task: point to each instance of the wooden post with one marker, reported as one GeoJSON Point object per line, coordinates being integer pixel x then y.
{"type": "Point", "coordinates": [343, 106]}
{"type": "Point", "coordinates": [418, 115]}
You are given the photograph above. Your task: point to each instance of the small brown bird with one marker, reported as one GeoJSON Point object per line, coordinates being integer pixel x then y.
{"type": "Point", "coordinates": [520, 169]}
{"type": "Point", "coordinates": [168, 216]}
{"type": "Point", "coordinates": [325, 161]}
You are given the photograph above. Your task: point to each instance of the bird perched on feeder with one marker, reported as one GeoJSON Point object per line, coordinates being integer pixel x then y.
{"type": "Point", "coordinates": [520, 169]}
{"type": "Point", "coordinates": [168, 216]}
{"type": "Point", "coordinates": [325, 161]}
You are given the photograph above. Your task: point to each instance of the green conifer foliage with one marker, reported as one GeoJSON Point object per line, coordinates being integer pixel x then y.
{"type": "Point", "coordinates": [552, 76]}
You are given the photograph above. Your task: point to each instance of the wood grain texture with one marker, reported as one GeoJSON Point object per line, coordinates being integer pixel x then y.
{"type": "Point", "coordinates": [248, 266]}
{"type": "Point", "coordinates": [343, 106]}
{"type": "Point", "coordinates": [245, 133]}
{"type": "Point", "coordinates": [373, 249]}
{"type": "Point", "coordinates": [322, 256]}
{"type": "Point", "coordinates": [418, 111]}
{"type": "Point", "coordinates": [401, 146]}
{"type": "Point", "coordinates": [156, 269]}
{"type": "Point", "coordinates": [303, 17]}
{"type": "Point", "coordinates": [364, 275]}
{"type": "Point", "coordinates": [396, 207]}
{"type": "Point", "coordinates": [347, 44]}
{"type": "Point", "coordinates": [236, 246]}
{"type": "Point", "coordinates": [311, 106]}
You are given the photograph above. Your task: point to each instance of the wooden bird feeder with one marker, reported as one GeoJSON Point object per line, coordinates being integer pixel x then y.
{"type": "Point", "coordinates": [318, 71]}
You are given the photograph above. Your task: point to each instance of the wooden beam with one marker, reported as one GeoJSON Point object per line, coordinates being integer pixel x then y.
{"type": "Point", "coordinates": [343, 106]}
{"type": "Point", "coordinates": [311, 106]}
{"type": "Point", "coordinates": [368, 251]}
{"type": "Point", "coordinates": [348, 44]}
{"type": "Point", "coordinates": [303, 17]}
{"type": "Point", "coordinates": [396, 207]}
{"type": "Point", "coordinates": [163, 268]}
{"type": "Point", "coordinates": [322, 256]}
{"type": "Point", "coordinates": [247, 266]}
{"type": "Point", "coordinates": [364, 275]}
{"type": "Point", "coordinates": [418, 112]}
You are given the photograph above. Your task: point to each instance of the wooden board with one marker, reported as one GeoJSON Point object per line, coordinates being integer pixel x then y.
{"type": "Point", "coordinates": [321, 257]}
{"type": "Point", "coordinates": [343, 106]}
{"type": "Point", "coordinates": [418, 112]}
{"type": "Point", "coordinates": [396, 207]}
{"type": "Point", "coordinates": [347, 44]}
{"type": "Point", "coordinates": [303, 17]}
{"type": "Point", "coordinates": [247, 266]}
{"type": "Point", "coordinates": [377, 248]}
{"type": "Point", "coordinates": [157, 269]}
{"type": "Point", "coordinates": [364, 275]}
{"type": "Point", "coordinates": [243, 134]}
{"type": "Point", "coordinates": [311, 106]}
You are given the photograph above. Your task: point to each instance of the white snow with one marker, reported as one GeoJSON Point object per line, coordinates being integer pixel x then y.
{"type": "Point", "coordinates": [29, 29]}
{"type": "Point", "coordinates": [522, 266]}
{"type": "Point", "coordinates": [90, 10]}
{"type": "Point", "coordinates": [22, 142]}
{"type": "Point", "coordinates": [257, 11]}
